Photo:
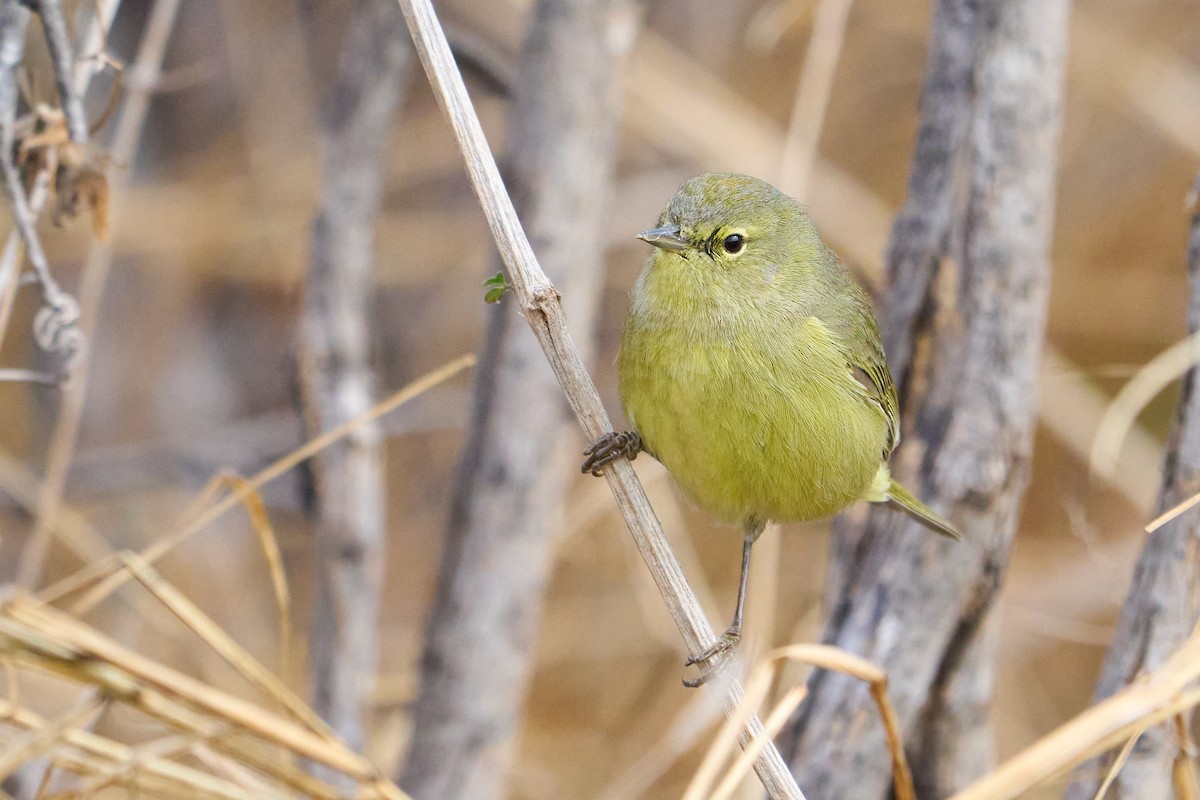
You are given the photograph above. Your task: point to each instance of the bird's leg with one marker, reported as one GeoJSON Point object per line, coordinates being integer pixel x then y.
{"type": "Point", "coordinates": [608, 448]}
{"type": "Point", "coordinates": [728, 641]}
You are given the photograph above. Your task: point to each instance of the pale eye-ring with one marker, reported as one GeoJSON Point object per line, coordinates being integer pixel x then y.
{"type": "Point", "coordinates": [734, 243]}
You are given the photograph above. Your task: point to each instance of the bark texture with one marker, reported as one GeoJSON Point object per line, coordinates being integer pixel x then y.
{"type": "Point", "coordinates": [1164, 600]}
{"type": "Point", "coordinates": [338, 381]}
{"type": "Point", "coordinates": [969, 273]}
{"type": "Point", "coordinates": [507, 497]}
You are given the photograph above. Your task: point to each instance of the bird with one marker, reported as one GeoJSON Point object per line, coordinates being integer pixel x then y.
{"type": "Point", "coordinates": [751, 367]}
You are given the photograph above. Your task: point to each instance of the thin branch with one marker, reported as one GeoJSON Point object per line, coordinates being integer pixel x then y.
{"type": "Point", "coordinates": [92, 56]}
{"type": "Point", "coordinates": [144, 74]}
{"type": "Point", "coordinates": [83, 72]}
{"type": "Point", "coordinates": [1162, 605]}
{"type": "Point", "coordinates": [336, 377]}
{"type": "Point", "coordinates": [10, 261]}
{"type": "Point", "coordinates": [14, 20]}
{"type": "Point", "coordinates": [29, 376]}
{"type": "Point", "coordinates": [541, 306]}
{"type": "Point", "coordinates": [55, 27]}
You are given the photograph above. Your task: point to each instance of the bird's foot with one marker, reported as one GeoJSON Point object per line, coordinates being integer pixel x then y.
{"type": "Point", "coordinates": [714, 658]}
{"type": "Point", "coordinates": [608, 448]}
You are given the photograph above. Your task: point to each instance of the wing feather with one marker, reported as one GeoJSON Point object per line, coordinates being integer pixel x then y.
{"type": "Point", "coordinates": [852, 321]}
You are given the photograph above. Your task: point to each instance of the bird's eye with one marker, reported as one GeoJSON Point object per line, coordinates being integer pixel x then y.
{"type": "Point", "coordinates": [734, 243]}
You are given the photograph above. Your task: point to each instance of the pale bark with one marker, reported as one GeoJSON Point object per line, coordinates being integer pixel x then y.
{"type": "Point", "coordinates": [54, 25]}
{"type": "Point", "coordinates": [969, 275]}
{"type": "Point", "coordinates": [336, 373]}
{"type": "Point", "coordinates": [508, 494]}
{"type": "Point", "coordinates": [1163, 603]}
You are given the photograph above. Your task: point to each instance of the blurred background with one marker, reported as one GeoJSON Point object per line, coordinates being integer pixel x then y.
{"type": "Point", "coordinates": [195, 364]}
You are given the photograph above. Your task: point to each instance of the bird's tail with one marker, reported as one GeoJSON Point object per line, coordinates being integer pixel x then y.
{"type": "Point", "coordinates": [903, 499]}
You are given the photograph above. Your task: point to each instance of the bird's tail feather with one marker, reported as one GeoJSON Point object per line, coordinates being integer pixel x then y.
{"type": "Point", "coordinates": [903, 499]}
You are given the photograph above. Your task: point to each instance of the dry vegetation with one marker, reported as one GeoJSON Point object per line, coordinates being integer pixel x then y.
{"type": "Point", "coordinates": [184, 675]}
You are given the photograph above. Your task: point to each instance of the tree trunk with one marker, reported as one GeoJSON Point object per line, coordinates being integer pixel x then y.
{"type": "Point", "coordinates": [969, 278]}
{"type": "Point", "coordinates": [507, 499]}
{"type": "Point", "coordinates": [1162, 606]}
{"type": "Point", "coordinates": [336, 374]}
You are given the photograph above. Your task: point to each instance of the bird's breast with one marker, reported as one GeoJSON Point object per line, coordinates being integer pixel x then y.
{"type": "Point", "coordinates": [752, 409]}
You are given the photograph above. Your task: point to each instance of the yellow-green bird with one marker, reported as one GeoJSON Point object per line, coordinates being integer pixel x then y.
{"type": "Point", "coordinates": [751, 367]}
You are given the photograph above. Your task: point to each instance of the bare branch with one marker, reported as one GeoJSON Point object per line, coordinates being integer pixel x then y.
{"type": "Point", "coordinates": [970, 272]}
{"type": "Point", "coordinates": [93, 38]}
{"type": "Point", "coordinates": [921, 231]}
{"type": "Point", "coordinates": [14, 20]}
{"type": "Point", "coordinates": [336, 375]}
{"type": "Point", "coordinates": [29, 376]}
{"type": "Point", "coordinates": [55, 27]}
{"type": "Point", "coordinates": [1162, 605]}
{"type": "Point", "coordinates": [540, 304]}
{"type": "Point", "coordinates": [129, 127]}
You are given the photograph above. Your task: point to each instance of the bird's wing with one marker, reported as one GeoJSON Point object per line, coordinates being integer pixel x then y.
{"type": "Point", "coordinates": [858, 332]}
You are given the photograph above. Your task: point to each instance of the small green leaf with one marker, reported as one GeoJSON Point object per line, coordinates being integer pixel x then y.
{"type": "Point", "coordinates": [496, 286]}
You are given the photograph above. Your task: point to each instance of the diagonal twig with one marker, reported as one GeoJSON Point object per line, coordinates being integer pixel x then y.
{"type": "Point", "coordinates": [541, 307]}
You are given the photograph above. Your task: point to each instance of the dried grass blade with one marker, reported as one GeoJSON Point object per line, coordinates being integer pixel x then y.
{"type": "Point", "coordinates": [49, 639]}
{"type": "Point", "coordinates": [1172, 513]}
{"type": "Point", "coordinates": [310, 448]}
{"type": "Point", "coordinates": [1157, 697]}
{"type": "Point", "coordinates": [813, 91]}
{"type": "Point", "coordinates": [901, 773]}
{"type": "Point", "coordinates": [1117, 764]}
{"type": "Point", "coordinates": [818, 655]}
{"type": "Point", "coordinates": [829, 657]}
{"type": "Point", "coordinates": [223, 644]}
{"type": "Point", "coordinates": [44, 784]}
{"type": "Point", "coordinates": [260, 521]}
{"type": "Point", "coordinates": [771, 725]}
{"type": "Point", "coordinates": [38, 741]}
{"type": "Point", "coordinates": [838, 660]}
{"type": "Point", "coordinates": [1134, 396]}
{"type": "Point", "coordinates": [96, 649]}
{"type": "Point", "coordinates": [109, 568]}
{"type": "Point", "coordinates": [727, 735]}
{"type": "Point", "coordinates": [145, 698]}
{"type": "Point", "coordinates": [150, 756]}
{"type": "Point", "coordinates": [1183, 771]}
{"type": "Point", "coordinates": [235, 772]}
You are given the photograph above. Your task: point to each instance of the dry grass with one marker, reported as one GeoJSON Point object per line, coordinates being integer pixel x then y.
{"type": "Point", "coordinates": [36, 636]}
{"type": "Point", "coordinates": [244, 749]}
{"type": "Point", "coordinates": [1157, 698]}
{"type": "Point", "coordinates": [704, 783]}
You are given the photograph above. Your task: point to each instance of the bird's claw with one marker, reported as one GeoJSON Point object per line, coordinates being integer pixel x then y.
{"type": "Point", "coordinates": [714, 658]}
{"type": "Point", "coordinates": [608, 448]}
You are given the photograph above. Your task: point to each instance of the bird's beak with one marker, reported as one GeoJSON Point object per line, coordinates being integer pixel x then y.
{"type": "Point", "coordinates": [666, 238]}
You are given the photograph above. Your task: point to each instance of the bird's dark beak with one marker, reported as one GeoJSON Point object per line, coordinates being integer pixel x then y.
{"type": "Point", "coordinates": [666, 238]}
